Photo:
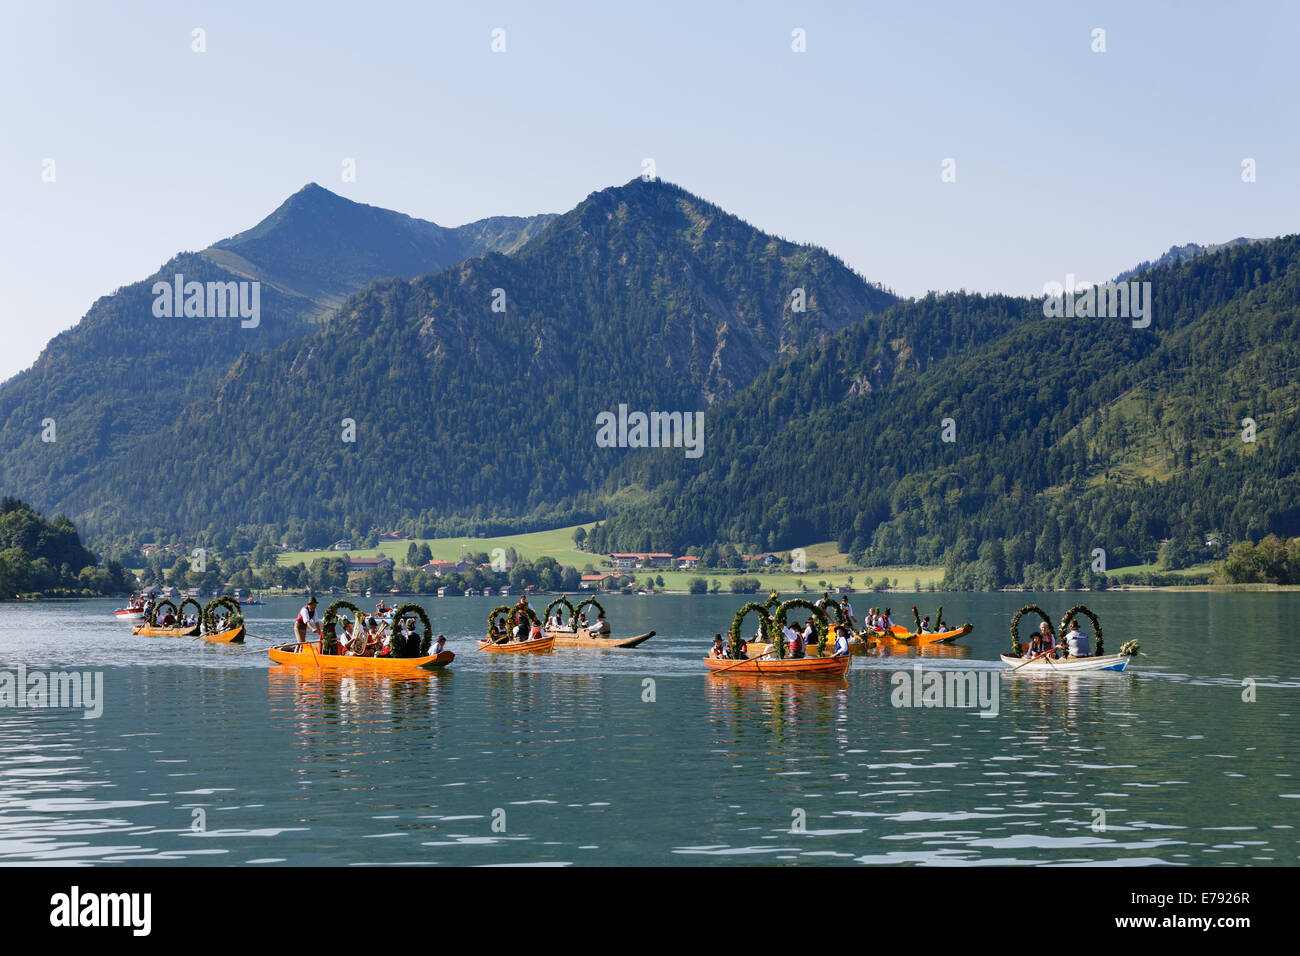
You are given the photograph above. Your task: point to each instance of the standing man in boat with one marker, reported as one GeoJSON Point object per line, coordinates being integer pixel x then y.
{"type": "Point", "coordinates": [847, 610]}
{"type": "Point", "coordinates": [307, 618]}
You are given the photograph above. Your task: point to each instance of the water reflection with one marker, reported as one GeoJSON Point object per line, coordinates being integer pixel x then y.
{"type": "Point", "coordinates": [742, 702]}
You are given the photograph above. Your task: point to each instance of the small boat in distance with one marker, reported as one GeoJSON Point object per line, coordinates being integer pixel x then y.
{"type": "Point", "coordinates": [901, 635]}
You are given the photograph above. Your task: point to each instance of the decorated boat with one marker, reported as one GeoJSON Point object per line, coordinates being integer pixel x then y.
{"type": "Point", "coordinates": [768, 657]}
{"type": "Point", "coordinates": [227, 628]}
{"type": "Point", "coordinates": [501, 622]}
{"type": "Point", "coordinates": [1067, 665]}
{"type": "Point", "coordinates": [1057, 660]}
{"type": "Point", "coordinates": [904, 636]}
{"type": "Point", "coordinates": [567, 635]}
{"type": "Point", "coordinates": [803, 666]}
{"type": "Point", "coordinates": [310, 656]}
{"type": "Point", "coordinates": [152, 628]}
{"type": "Point", "coordinates": [407, 648]}
{"type": "Point", "coordinates": [918, 635]}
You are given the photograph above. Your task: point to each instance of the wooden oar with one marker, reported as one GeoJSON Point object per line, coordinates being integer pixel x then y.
{"type": "Point", "coordinates": [263, 650]}
{"type": "Point", "coordinates": [1032, 659]}
{"type": "Point", "coordinates": [723, 670]}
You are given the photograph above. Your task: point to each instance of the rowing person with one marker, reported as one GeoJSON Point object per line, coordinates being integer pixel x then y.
{"type": "Point", "coordinates": [841, 641]}
{"type": "Point", "coordinates": [307, 618]}
{"type": "Point", "coordinates": [440, 646]}
{"type": "Point", "coordinates": [925, 625]}
{"type": "Point", "coordinates": [601, 628]}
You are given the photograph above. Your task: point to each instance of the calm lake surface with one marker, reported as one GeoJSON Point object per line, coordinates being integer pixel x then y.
{"type": "Point", "coordinates": [206, 755]}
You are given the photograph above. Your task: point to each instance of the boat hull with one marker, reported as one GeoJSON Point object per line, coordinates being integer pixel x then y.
{"type": "Point", "coordinates": [307, 656]}
{"type": "Point", "coordinates": [148, 630]}
{"type": "Point", "coordinates": [129, 615]}
{"type": "Point", "coordinates": [583, 638]}
{"type": "Point", "coordinates": [541, 645]}
{"type": "Point", "coordinates": [901, 635]}
{"type": "Point", "coordinates": [234, 636]}
{"type": "Point", "coordinates": [1068, 665]}
{"type": "Point", "coordinates": [801, 667]}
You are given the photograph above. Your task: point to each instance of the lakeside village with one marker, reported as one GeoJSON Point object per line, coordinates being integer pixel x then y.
{"type": "Point", "coordinates": [170, 571]}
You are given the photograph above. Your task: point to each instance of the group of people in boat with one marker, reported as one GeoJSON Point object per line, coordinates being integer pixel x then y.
{"type": "Point", "coordinates": [798, 640]}
{"type": "Point", "coordinates": [846, 609]}
{"type": "Point", "coordinates": [1043, 641]}
{"type": "Point", "coordinates": [598, 628]}
{"type": "Point", "coordinates": [366, 637]}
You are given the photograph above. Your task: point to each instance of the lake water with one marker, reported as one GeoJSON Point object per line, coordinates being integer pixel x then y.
{"type": "Point", "coordinates": [206, 755]}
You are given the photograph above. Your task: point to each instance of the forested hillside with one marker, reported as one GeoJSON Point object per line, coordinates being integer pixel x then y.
{"type": "Point", "coordinates": [473, 392]}
{"type": "Point", "coordinates": [102, 395]}
{"type": "Point", "coordinates": [1070, 434]}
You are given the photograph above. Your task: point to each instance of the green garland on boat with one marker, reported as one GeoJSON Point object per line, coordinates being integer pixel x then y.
{"type": "Point", "coordinates": [180, 611]}
{"type": "Point", "coordinates": [593, 602]}
{"type": "Point", "coordinates": [821, 625]}
{"type": "Point", "coordinates": [561, 600]}
{"type": "Point", "coordinates": [833, 608]}
{"type": "Point", "coordinates": [1015, 625]}
{"type": "Point", "coordinates": [1129, 648]}
{"type": "Point", "coordinates": [916, 617]}
{"type": "Point", "coordinates": [414, 645]}
{"type": "Point", "coordinates": [501, 611]}
{"type": "Point", "coordinates": [153, 615]}
{"type": "Point", "coordinates": [1096, 624]}
{"type": "Point", "coordinates": [235, 619]}
{"type": "Point", "coordinates": [329, 642]}
{"type": "Point", "coordinates": [764, 622]}
{"type": "Point", "coordinates": [521, 610]}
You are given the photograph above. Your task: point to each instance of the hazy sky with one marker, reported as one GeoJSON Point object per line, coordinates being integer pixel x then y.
{"type": "Point", "coordinates": [1066, 160]}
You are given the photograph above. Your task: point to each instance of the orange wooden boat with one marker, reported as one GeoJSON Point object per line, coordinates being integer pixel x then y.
{"type": "Point", "coordinates": [149, 630]}
{"type": "Point", "coordinates": [233, 636]}
{"type": "Point", "coordinates": [902, 635]}
{"type": "Point", "coordinates": [798, 667]}
{"type": "Point", "coordinates": [542, 644]}
{"type": "Point", "coordinates": [308, 655]}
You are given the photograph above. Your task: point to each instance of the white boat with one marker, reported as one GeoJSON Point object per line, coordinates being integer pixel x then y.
{"type": "Point", "coordinates": [129, 614]}
{"type": "Point", "coordinates": [1068, 665]}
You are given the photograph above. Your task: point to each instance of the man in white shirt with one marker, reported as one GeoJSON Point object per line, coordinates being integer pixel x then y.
{"type": "Point", "coordinates": [1077, 642]}
{"type": "Point", "coordinates": [306, 619]}
{"type": "Point", "coordinates": [790, 634]}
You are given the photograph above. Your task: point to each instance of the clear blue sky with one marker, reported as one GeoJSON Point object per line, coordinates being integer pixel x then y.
{"type": "Point", "coordinates": [1067, 160]}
